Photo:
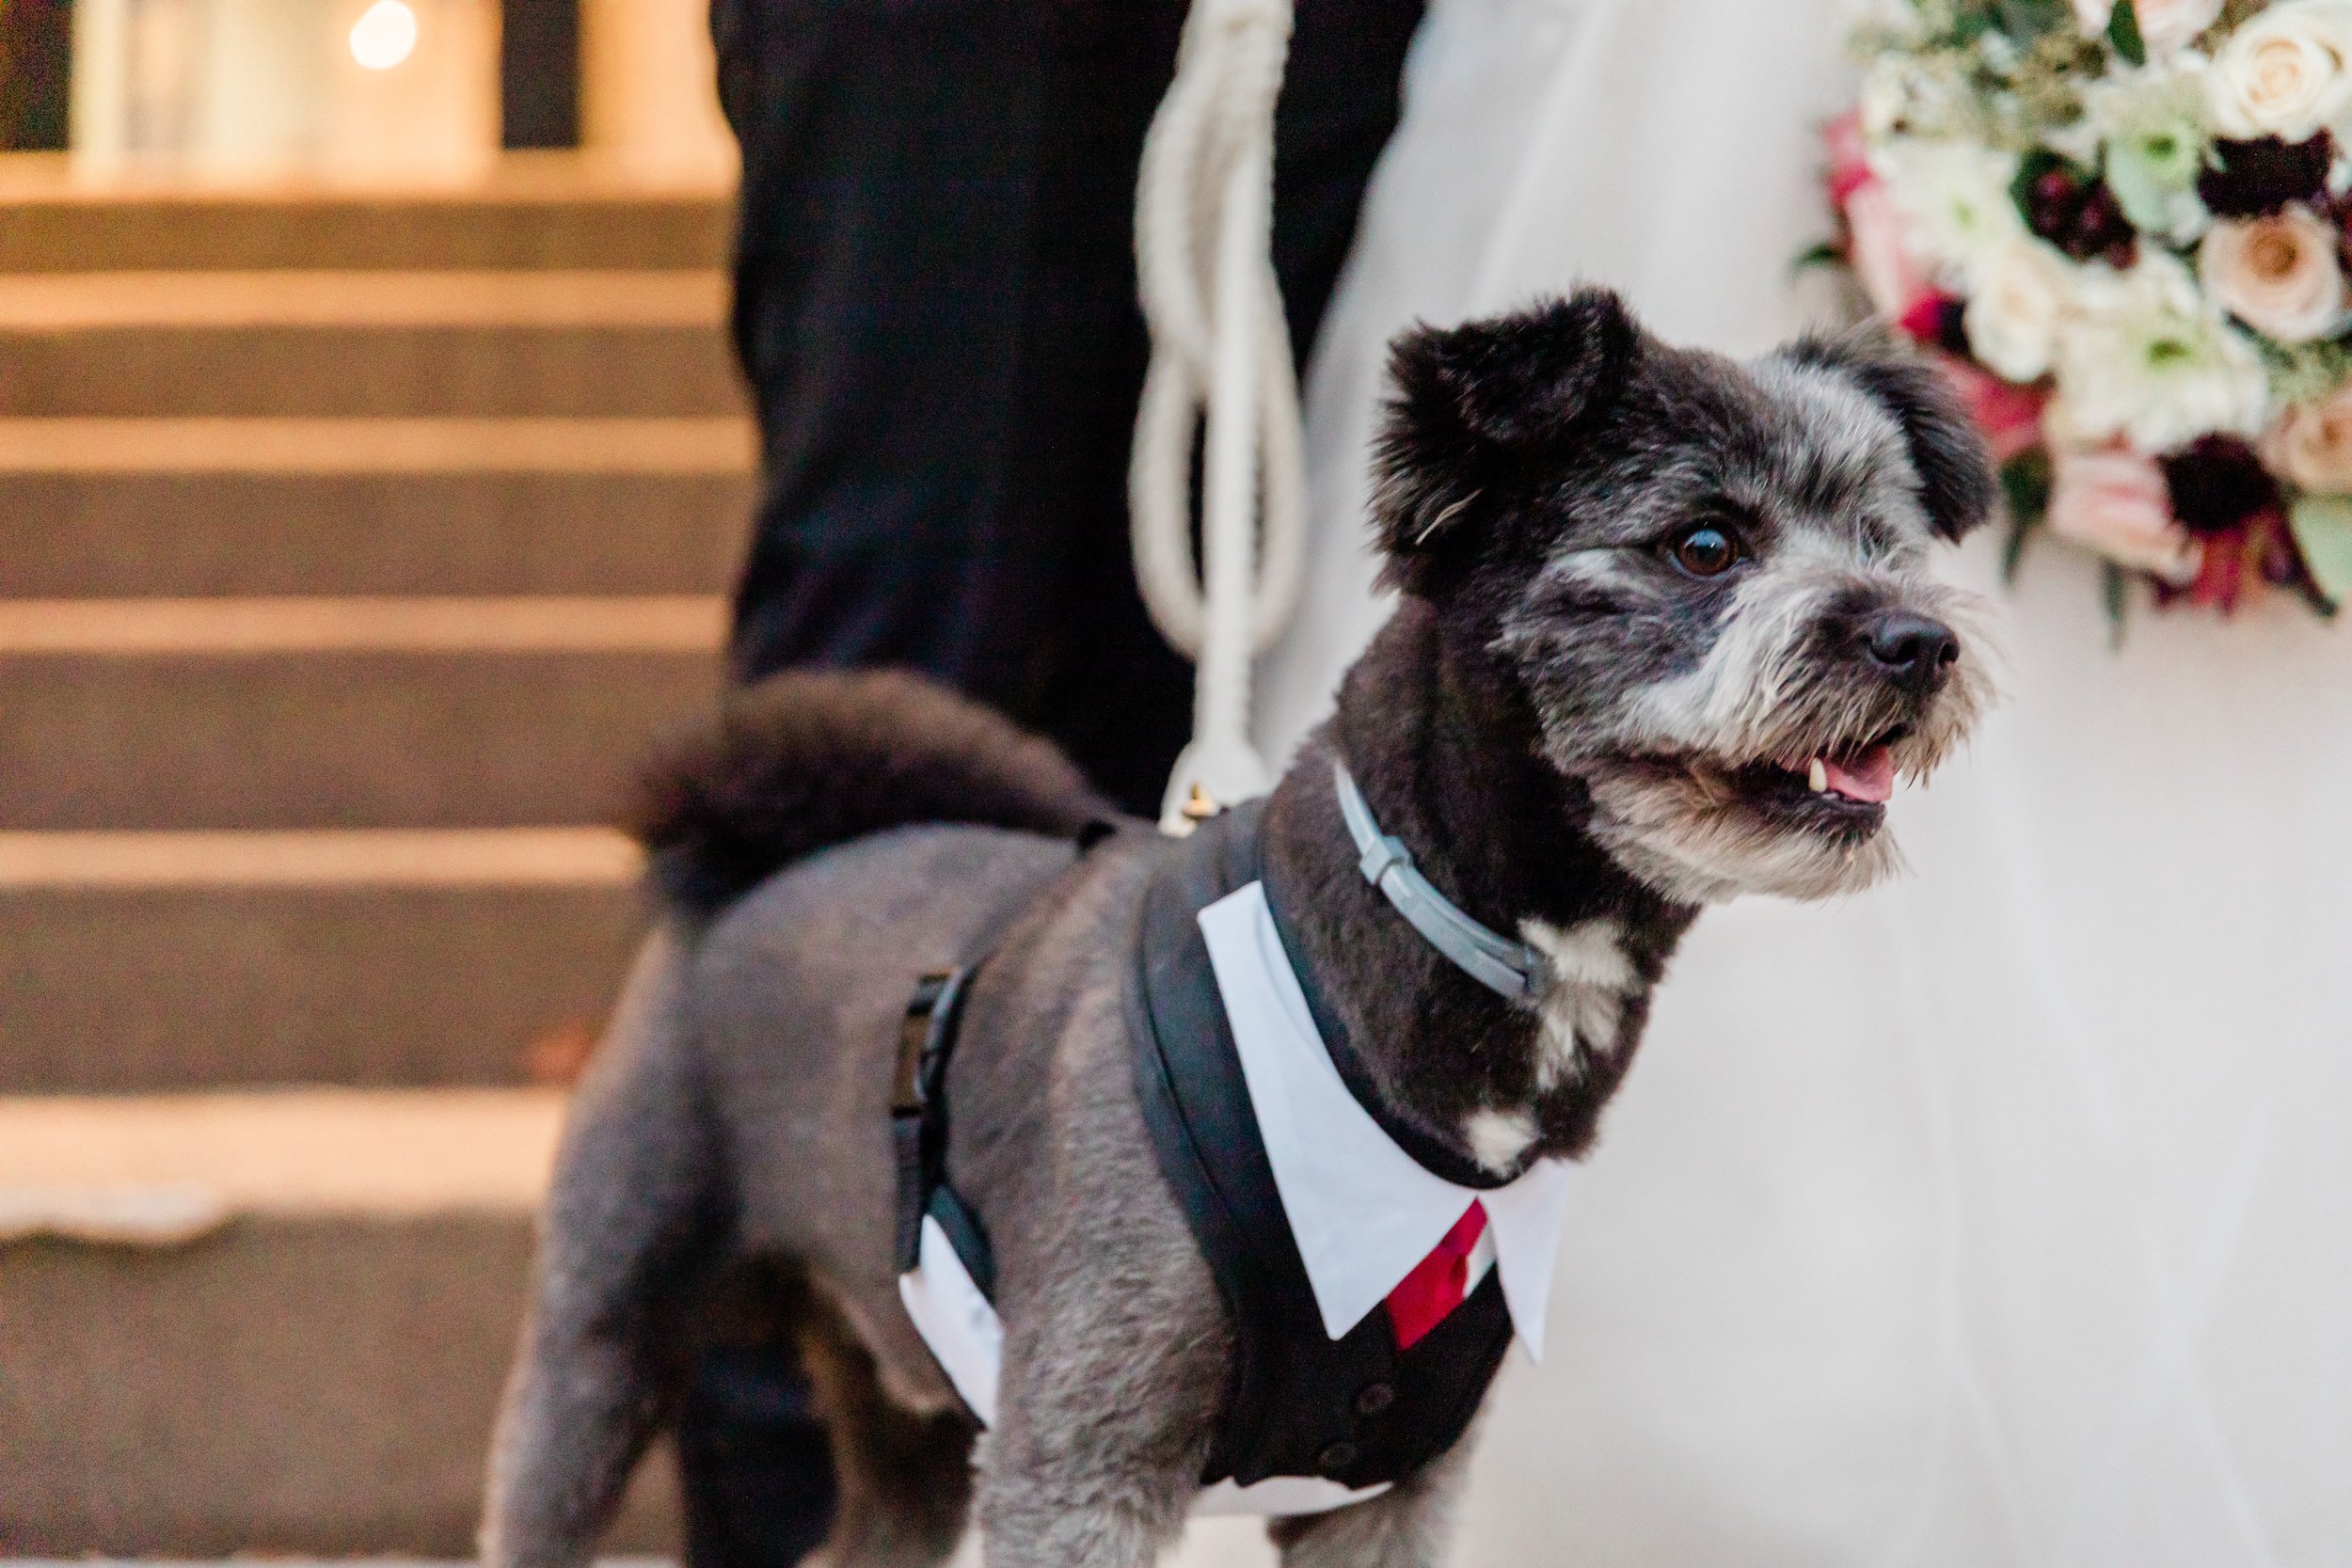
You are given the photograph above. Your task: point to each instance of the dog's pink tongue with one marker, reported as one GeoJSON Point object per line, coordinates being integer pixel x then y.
{"type": "Point", "coordinates": [1869, 777]}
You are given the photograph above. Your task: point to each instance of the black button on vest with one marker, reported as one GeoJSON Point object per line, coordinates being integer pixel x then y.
{"type": "Point", "coordinates": [1356, 1410]}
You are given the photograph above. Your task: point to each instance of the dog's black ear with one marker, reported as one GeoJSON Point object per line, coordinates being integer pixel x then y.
{"type": "Point", "coordinates": [1469, 401]}
{"type": "Point", "coordinates": [1957, 484]}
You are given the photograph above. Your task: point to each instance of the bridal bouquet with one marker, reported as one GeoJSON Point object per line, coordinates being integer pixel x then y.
{"type": "Point", "coordinates": [2123, 224]}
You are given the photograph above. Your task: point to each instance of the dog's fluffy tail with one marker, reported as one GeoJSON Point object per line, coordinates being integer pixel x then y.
{"type": "Point", "coordinates": [805, 760]}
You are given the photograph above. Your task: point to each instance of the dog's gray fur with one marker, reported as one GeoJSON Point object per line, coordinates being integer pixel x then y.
{"type": "Point", "coordinates": [1577, 739]}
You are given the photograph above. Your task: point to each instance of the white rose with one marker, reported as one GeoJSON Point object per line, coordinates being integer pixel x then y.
{"type": "Point", "coordinates": [2117, 504]}
{"type": "Point", "coordinates": [2278, 274]}
{"type": "Point", "coordinates": [2285, 73]}
{"type": "Point", "coordinates": [2166, 25]}
{"type": "Point", "coordinates": [2094, 15]}
{"type": "Point", "coordinates": [2022, 290]}
{"type": "Point", "coordinates": [2145, 356]}
{"type": "Point", "coordinates": [1954, 196]}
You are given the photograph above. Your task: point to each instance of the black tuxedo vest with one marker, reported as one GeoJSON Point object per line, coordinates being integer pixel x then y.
{"type": "Point", "coordinates": [1356, 1410]}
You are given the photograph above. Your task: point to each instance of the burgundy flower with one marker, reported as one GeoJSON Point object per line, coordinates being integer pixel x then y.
{"type": "Point", "coordinates": [2218, 483]}
{"type": "Point", "coordinates": [2239, 562]}
{"type": "Point", "coordinates": [2254, 179]}
{"type": "Point", "coordinates": [2074, 210]}
{"type": "Point", "coordinates": [1938, 320]}
{"type": "Point", "coordinates": [2220, 574]}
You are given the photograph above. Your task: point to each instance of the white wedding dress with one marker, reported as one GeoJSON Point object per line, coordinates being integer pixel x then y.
{"type": "Point", "coordinates": [2000, 1218]}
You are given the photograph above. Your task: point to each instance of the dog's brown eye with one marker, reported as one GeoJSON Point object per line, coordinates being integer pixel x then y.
{"type": "Point", "coordinates": [1706, 551]}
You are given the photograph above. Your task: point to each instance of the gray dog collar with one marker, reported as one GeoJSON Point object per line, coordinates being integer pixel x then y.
{"type": "Point", "coordinates": [1505, 967]}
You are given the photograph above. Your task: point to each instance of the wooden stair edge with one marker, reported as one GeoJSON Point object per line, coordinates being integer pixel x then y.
{"type": "Point", "coordinates": [360, 444]}
{"type": "Point", "coordinates": [207, 858]}
{"type": "Point", "coordinates": [189, 300]}
{"type": "Point", "coordinates": [165, 1168]}
{"type": "Point", "coordinates": [199, 626]}
{"type": "Point", "coordinates": [552, 177]}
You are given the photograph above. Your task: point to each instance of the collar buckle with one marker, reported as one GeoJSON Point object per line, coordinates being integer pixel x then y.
{"type": "Point", "coordinates": [1505, 967]}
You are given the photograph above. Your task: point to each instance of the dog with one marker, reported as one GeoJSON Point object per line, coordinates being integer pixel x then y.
{"type": "Point", "coordinates": [1666, 633]}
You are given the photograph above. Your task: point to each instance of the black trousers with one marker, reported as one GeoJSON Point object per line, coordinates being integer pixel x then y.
{"type": "Point", "coordinates": [935, 305]}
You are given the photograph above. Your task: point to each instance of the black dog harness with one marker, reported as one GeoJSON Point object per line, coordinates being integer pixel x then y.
{"type": "Point", "coordinates": [1356, 1411]}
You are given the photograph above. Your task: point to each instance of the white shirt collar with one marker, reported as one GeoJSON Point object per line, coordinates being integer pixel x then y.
{"type": "Point", "coordinates": [1363, 1210]}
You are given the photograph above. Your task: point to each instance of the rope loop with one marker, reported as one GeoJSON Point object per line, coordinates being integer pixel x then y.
{"type": "Point", "coordinates": [1220, 375]}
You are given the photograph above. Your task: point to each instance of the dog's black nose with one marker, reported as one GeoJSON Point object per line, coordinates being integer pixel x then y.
{"type": "Point", "coordinates": [1913, 650]}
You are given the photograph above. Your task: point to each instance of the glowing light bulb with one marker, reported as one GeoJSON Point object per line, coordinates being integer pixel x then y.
{"type": "Point", "coordinates": [384, 35]}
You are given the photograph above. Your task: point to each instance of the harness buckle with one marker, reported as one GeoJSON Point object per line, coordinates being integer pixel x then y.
{"type": "Point", "coordinates": [918, 1031]}
{"type": "Point", "coordinates": [918, 1104]}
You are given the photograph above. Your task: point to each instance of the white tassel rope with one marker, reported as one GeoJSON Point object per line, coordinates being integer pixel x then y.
{"type": "Point", "coordinates": [1220, 351]}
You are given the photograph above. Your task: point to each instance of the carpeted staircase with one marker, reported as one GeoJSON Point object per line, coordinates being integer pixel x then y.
{"type": "Point", "coordinates": [350, 550]}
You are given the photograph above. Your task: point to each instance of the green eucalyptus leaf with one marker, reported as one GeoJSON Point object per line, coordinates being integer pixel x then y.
{"type": "Point", "coordinates": [2021, 531]}
{"type": "Point", "coordinates": [2025, 481]}
{"type": "Point", "coordinates": [2124, 31]}
{"type": "Point", "coordinates": [2028, 20]}
{"type": "Point", "coordinates": [1826, 253]}
{"type": "Point", "coordinates": [2025, 488]}
{"type": "Point", "coordinates": [1971, 21]}
{"type": "Point", "coordinates": [2323, 531]}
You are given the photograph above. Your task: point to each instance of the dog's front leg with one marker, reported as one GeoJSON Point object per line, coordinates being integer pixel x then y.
{"type": "Point", "coordinates": [1097, 1457]}
{"type": "Point", "coordinates": [1408, 1526]}
{"type": "Point", "coordinates": [1058, 1515]}
{"type": "Point", "coordinates": [1117, 1346]}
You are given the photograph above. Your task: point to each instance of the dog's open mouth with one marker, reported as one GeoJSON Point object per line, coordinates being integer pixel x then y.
{"type": "Point", "coordinates": [1844, 790]}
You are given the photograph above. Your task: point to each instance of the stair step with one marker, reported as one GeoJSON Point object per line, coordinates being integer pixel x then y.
{"type": "Point", "coordinates": [352, 543]}
{"type": "Point", "coordinates": [160, 534]}
{"type": "Point", "coordinates": [294, 1560]}
{"type": "Point", "coordinates": [360, 371]}
{"type": "Point", "coordinates": [332, 713]}
{"type": "Point", "coordinates": [556, 210]}
{"type": "Point", "coordinates": [400, 447]}
{"type": "Point", "coordinates": [150, 301]}
{"type": "Point", "coordinates": [431, 624]}
{"type": "Point", "coordinates": [317, 1372]}
{"type": "Point", "coordinates": [352, 857]}
{"type": "Point", "coordinates": [141, 962]}
{"type": "Point", "coordinates": [380, 1153]}
{"type": "Point", "coordinates": [321, 1386]}
{"type": "Point", "coordinates": [308, 343]}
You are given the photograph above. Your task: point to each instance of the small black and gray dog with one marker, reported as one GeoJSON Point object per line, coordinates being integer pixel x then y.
{"type": "Point", "coordinates": [1667, 634]}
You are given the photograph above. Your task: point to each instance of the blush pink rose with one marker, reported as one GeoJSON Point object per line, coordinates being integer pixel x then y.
{"type": "Point", "coordinates": [2163, 25]}
{"type": "Point", "coordinates": [2166, 25]}
{"type": "Point", "coordinates": [2312, 444]}
{"type": "Point", "coordinates": [1848, 159]}
{"type": "Point", "coordinates": [2276, 274]}
{"type": "Point", "coordinates": [2115, 504]}
{"type": "Point", "coordinates": [1890, 279]}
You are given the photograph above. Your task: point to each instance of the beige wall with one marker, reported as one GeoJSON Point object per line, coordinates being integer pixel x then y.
{"type": "Point", "coordinates": [648, 93]}
{"type": "Point", "coordinates": [230, 88]}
